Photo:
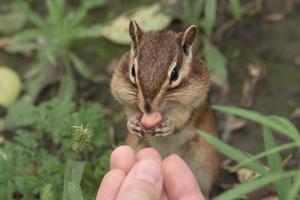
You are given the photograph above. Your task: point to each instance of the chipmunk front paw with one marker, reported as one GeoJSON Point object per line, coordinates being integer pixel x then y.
{"type": "Point", "coordinates": [164, 128]}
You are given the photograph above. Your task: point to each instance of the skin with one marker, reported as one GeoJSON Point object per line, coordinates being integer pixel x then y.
{"type": "Point", "coordinates": [145, 175]}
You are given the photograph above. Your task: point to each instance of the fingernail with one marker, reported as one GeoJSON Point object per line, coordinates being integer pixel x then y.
{"type": "Point", "coordinates": [149, 170]}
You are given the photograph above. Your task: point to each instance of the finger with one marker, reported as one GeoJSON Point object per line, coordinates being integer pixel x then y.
{"type": "Point", "coordinates": [179, 181]}
{"type": "Point", "coordinates": [148, 153]}
{"type": "Point", "coordinates": [110, 185]}
{"type": "Point", "coordinates": [123, 157]}
{"type": "Point", "coordinates": [164, 195]}
{"type": "Point", "coordinates": [144, 181]}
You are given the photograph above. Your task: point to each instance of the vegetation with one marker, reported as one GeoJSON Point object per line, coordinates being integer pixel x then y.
{"type": "Point", "coordinates": [71, 131]}
{"type": "Point", "coordinates": [51, 39]}
{"type": "Point", "coordinates": [286, 182]}
{"type": "Point", "coordinates": [58, 123]}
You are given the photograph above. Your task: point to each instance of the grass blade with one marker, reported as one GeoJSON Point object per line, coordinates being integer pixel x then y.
{"type": "Point", "coordinates": [83, 69]}
{"type": "Point", "coordinates": [31, 15]}
{"type": "Point", "coordinates": [266, 153]}
{"type": "Point", "coordinates": [294, 191]}
{"type": "Point", "coordinates": [235, 9]}
{"type": "Point", "coordinates": [231, 152]}
{"type": "Point", "coordinates": [275, 163]}
{"type": "Point", "coordinates": [197, 10]}
{"type": "Point", "coordinates": [286, 123]}
{"type": "Point", "coordinates": [28, 34]}
{"type": "Point", "coordinates": [245, 188]}
{"type": "Point", "coordinates": [210, 12]}
{"type": "Point", "coordinates": [215, 60]}
{"type": "Point", "coordinates": [258, 118]}
{"type": "Point", "coordinates": [72, 178]}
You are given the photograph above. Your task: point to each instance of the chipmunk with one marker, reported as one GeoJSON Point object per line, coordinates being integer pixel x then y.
{"type": "Point", "coordinates": [164, 89]}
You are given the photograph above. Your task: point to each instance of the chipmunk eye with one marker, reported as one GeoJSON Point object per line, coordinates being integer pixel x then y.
{"type": "Point", "coordinates": [132, 71]}
{"type": "Point", "coordinates": [174, 74]}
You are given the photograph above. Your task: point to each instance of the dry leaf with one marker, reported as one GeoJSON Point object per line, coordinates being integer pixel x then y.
{"type": "Point", "coordinates": [228, 165]}
{"type": "Point", "coordinates": [232, 123]}
{"type": "Point", "coordinates": [296, 114]}
{"type": "Point", "coordinates": [220, 83]}
{"type": "Point", "coordinates": [4, 42]}
{"type": "Point", "coordinates": [274, 17]}
{"type": "Point", "coordinates": [245, 175]}
{"type": "Point", "coordinates": [149, 17]}
{"type": "Point", "coordinates": [256, 71]}
{"type": "Point", "coordinates": [297, 61]}
{"type": "Point", "coordinates": [256, 74]}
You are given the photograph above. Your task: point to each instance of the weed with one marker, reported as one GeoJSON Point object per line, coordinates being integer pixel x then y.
{"type": "Point", "coordinates": [51, 38]}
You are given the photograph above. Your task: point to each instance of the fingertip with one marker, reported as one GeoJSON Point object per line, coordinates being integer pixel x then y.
{"type": "Point", "coordinates": [144, 181]}
{"type": "Point", "coordinates": [174, 158]}
{"type": "Point", "coordinates": [110, 184]}
{"type": "Point", "coordinates": [123, 157]}
{"type": "Point", "coordinates": [148, 153]}
{"type": "Point", "coordinates": [179, 181]}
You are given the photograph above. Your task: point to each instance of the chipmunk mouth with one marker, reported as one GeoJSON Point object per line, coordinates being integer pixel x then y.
{"type": "Point", "coordinates": [162, 127]}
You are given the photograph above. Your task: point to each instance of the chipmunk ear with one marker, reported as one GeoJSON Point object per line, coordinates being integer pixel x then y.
{"type": "Point", "coordinates": [135, 32]}
{"type": "Point", "coordinates": [188, 38]}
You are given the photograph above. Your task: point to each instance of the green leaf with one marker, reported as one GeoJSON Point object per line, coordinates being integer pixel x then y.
{"type": "Point", "coordinates": [295, 189]}
{"type": "Point", "coordinates": [286, 123]}
{"type": "Point", "coordinates": [231, 152]}
{"type": "Point", "coordinates": [235, 9]}
{"type": "Point", "coordinates": [74, 192]}
{"type": "Point", "coordinates": [275, 163]}
{"type": "Point", "coordinates": [20, 115]}
{"type": "Point", "coordinates": [197, 10]}
{"type": "Point", "coordinates": [26, 139]}
{"type": "Point", "coordinates": [258, 118]}
{"type": "Point", "coordinates": [83, 70]}
{"type": "Point", "coordinates": [76, 17]}
{"type": "Point", "coordinates": [89, 32]}
{"type": "Point", "coordinates": [266, 153]}
{"type": "Point", "coordinates": [31, 15]}
{"type": "Point", "coordinates": [191, 13]}
{"type": "Point", "coordinates": [11, 20]}
{"type": "Point", "coordinates": [72, 178]}
{"type": "Point", "coordinates": [215, 60]}
{"type": "Point", "coordinates": [93, 3]}
{"type": "Point", "coordinates": [67, 87]}
{"type": "Point", "coordinates": [28, 34]}
{"type": "Point", "coordinates": [250, 186]}
{"type": "Point", "coordinates": [25, 41]}
{"type": "Point", "coordinates": [55, 12]}
{"type": "Point", "coordinates": [10, 86]}
{"type": "Point", "coordinates": [210, 13]}
{"type": "Point", "coordinates": [22, 47]}
{"type": "Point", "coordinates": [47, 192]}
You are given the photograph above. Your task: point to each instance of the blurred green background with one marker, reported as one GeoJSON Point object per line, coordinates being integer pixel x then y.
{"type": "Point", "coordinates": [59, 122]}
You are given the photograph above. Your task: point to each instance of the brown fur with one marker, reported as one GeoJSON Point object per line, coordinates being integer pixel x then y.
{"type": "Point", "coordinates": [185, 107]}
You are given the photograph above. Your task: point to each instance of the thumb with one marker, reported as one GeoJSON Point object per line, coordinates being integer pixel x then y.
{"type": "Point", "coordinates": [144, 181]}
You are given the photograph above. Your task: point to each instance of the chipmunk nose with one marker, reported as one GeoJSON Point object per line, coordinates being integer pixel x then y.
{"type": "Point", "coordinates": [149, 121]}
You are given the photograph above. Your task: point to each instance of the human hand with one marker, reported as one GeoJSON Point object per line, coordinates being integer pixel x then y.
{"type": "Point", "coordinates": [145, 176]}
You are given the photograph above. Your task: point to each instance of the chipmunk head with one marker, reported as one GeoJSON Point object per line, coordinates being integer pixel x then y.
{"type": "Point", "coordinates": [160, 82]}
